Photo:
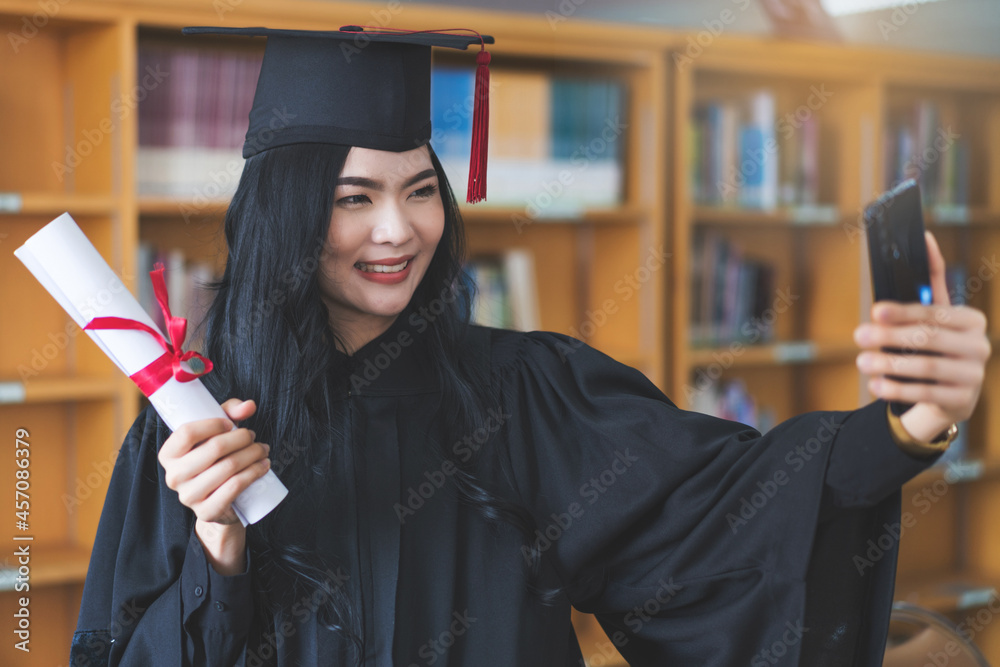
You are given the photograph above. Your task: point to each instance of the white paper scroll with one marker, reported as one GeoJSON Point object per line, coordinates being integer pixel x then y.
{"type": "Point", "coordinates": [67, 265]}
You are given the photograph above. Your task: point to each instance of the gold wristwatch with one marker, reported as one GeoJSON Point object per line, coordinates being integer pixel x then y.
{"type": "Point", "coordinates": [911, 445]}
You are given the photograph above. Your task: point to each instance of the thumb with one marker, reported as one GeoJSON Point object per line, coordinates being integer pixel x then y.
{"type": "Point", "coordinates": [239, 410]}
{"type": "Point", "coordinates": [939, 285]}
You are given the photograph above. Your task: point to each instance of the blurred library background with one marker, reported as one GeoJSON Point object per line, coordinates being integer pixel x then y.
{"type": "Point", "coordinates": [679, 184]}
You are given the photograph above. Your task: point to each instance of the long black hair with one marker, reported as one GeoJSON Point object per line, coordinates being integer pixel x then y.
{"type": "Point", "coordinates": [271, 339]}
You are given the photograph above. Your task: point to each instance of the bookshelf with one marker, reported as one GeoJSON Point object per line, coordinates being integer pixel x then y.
{"type": "Point", "coordinates": [960, 573]}
{"type": "Point", "coordinates": [949, 553]}
{"type": "Point", "coordinates": [73, 123]}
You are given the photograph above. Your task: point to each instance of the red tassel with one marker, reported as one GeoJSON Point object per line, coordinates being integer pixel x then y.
{"type": "Point", "coordinates": [480, 130]}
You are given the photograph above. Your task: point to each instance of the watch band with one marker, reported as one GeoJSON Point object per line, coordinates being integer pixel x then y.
{"type": "Point", "coordinates": [911, 445]}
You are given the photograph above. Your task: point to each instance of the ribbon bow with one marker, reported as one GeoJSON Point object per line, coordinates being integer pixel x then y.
{"type": "Point", "coordinates": [156, 374]}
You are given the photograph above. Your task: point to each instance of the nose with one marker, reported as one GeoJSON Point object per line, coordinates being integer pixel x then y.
{"type": "Point", "coordinates": [392, 227]}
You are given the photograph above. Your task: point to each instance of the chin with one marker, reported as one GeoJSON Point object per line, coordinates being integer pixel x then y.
{"type": "Point", "coordinates": [386, 309]}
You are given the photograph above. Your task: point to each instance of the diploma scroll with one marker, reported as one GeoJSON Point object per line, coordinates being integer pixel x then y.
{"type": "Point", "coordinates": [69, 267]}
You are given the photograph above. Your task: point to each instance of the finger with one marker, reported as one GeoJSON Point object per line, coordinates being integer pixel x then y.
{"type": "Point", "coordinates": [939, 285]}
{"type": "Point", "coordinates": [221, 500]}
{"type": "Point", "coordinates": [911, 339]}
{"type": "Point", "coordinates": [943, 370]}
{"type": "Point", "coordinates": [239, 410]}
{"type": "Point", "coordinates": [205, 455]}
{"type": "Point", "coordinates": [187, 436]}
{"type": "Point", "coordinates": [950, 317]}
{"type": "Point", "coordinates": [195, 490]}
{"type": "Point", "coordinates": [954, 400]}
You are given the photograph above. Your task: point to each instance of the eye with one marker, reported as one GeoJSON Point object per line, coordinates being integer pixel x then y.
{"type": "Point", "coordinates": [353, 200]}
{"type": "Point", "coordinates": [425, 192]}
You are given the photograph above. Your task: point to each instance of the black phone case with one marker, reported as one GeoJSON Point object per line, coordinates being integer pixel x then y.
{"type": "Point", "coordinates": [897, 252]}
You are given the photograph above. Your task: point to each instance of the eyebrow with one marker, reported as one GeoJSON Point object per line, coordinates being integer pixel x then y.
{"type": "Point", "coordinates": [377, 185]}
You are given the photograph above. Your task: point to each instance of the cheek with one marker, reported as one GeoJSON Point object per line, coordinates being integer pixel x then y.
{"type": "Point", "coordinates": [341, 245]}
{"type": "Point", "coordinates": [432, 227]}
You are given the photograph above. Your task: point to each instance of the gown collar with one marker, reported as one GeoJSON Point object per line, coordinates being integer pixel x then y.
{"type": "Point", "coordinates": [395, 362]}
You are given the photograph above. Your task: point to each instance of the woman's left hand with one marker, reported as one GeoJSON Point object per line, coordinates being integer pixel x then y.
{"type": "Point", "coordinates": [952, 381]}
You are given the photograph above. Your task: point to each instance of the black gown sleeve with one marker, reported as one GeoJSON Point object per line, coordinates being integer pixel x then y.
{"type": "Point", "coordinates": [697, 540]}
{"type": "Point", "coordinates": [151, 597]}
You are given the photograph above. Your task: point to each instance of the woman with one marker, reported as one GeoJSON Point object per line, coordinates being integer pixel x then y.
{"type": "Point", "coordinates": [455, 489]}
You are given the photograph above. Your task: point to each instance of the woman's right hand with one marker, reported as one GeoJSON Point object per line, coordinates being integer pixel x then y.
{"type": "Point", "coordinates": [209, 464]}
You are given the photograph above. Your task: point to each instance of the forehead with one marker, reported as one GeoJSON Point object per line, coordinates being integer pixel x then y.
{"type": "Point", "coordinates": [386, 165]}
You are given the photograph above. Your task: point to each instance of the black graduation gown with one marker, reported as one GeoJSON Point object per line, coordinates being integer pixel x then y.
{"type": "Point", "coordinates": [695, 540]}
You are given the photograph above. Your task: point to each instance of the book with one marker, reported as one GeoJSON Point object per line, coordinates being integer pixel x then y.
{"type": "Point", "coordinates": [730, 294]}
{"type": "Point", "coordinates": [507, 292]}
{"type": "Point", "coordinates": [555, 143]}
{"type": "Point", "coordinates": [192, 124]}
{"type": "Point", "coordinates": [923, 143]}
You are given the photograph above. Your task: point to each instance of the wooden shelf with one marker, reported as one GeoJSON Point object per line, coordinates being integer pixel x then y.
{"type": "Point", "coordinates": [481, 214]}
{"type": "Point", "coordinates": [826, 216]}
{"type": "Point", "coordinates": [59, 389]}
{"type": "Point", "coordinates": [774, 354]}
{"type": "Point", "coordinates": [805, 216]}
{"type": "Point", "coordinates": [962, 217]}
{"type": "Point", "coordinates": [53, 204]}
{"type": "Point", "coordinates": [970, 470]}
{"type": "Point", "coordinates": [50, 564]}
{"type": "Point", "coordinates": [947, 592]}
{"type": "Point", "coordinates": [179, 207]}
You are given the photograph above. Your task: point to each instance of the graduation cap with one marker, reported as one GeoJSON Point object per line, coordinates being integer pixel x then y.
{"type": "Point", "coordinates": [356, 87]}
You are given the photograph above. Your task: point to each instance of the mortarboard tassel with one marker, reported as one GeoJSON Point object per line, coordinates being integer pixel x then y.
{"type": "Point", "coordinates": [480, 130]}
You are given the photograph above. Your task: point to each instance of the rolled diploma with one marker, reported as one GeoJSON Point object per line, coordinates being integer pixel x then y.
{"type": "Point", "coordinates": [67, 264]}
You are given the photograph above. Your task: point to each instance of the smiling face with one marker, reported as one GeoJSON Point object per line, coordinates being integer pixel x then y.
{"type": "Point", "coordinates": [386, 223]}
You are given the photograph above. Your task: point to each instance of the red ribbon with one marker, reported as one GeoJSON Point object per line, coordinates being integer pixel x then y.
{"type": "Point", "coordinates": [156, 374]}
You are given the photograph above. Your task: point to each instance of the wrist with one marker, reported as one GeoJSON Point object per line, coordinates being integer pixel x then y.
{"type": "Point", "coordinates": [224, 546]}
{"type": "Point", "coordinates": [919, 448]}
{"type": "Point", "coordinates": [922, 427]}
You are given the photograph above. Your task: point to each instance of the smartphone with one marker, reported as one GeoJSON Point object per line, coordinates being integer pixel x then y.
{"type": "Point", "coordinates": [897, 251]}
